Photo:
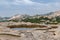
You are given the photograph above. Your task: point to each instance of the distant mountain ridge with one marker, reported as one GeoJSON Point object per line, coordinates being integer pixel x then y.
{"type": "Point", "coordinates": [53, 14]}
{"type": "Point", "coordinates": [19, 17]}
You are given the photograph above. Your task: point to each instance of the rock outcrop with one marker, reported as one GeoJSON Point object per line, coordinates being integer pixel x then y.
{"type": "Point", "coordinates": [49, 33]}
{"type": "Point", "coordinates": [9, 34]}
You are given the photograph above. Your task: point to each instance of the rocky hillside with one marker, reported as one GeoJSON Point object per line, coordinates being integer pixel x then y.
{"type": "Point", "coordinates": [24, 17]}
{"type": "Point", "coordinates": [18, 17]}
{"type": "Point", "coordinates": [53, 14]}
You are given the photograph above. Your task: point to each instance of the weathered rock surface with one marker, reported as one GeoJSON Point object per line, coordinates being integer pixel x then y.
{"type": "Point", "coordinates": [26, 35]}
{"type": "Point", "coordinates": [35, 34]}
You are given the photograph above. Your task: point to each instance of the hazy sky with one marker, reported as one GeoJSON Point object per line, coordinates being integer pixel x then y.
{"type": "Point", "coordinates": [31, 7]}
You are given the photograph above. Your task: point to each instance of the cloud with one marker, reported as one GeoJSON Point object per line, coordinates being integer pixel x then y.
{"type": "Point", "coordinates": [28, 6]}
{"type": "Point", "coordinates": [22, 2]}
{"type": "Point", "coordinates": [15, 2]}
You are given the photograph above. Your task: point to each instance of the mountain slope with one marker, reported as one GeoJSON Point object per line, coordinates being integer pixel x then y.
{"type": "Point", "coordinates": [19, 17]}
{"type": "Point", "coordinates": [54, 14]}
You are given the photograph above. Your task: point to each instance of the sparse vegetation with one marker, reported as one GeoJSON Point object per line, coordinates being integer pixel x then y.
{"type": "Point", "coordinates": [46, 20]}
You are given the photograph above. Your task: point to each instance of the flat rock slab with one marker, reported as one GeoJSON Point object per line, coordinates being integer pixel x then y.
{"type": "Point", "coordinates": [27, 35]}
{"type": "Point", "coordinates": [24, 35]}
